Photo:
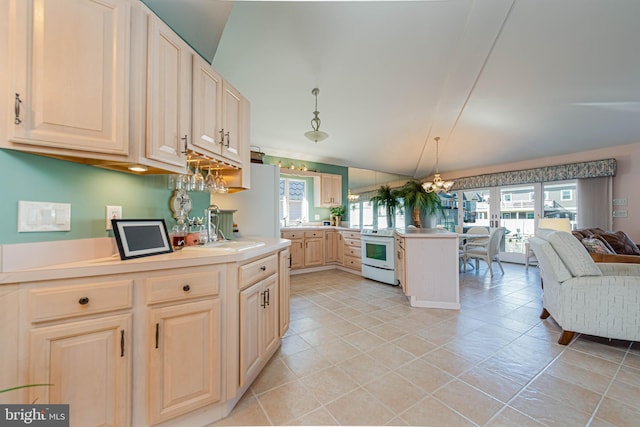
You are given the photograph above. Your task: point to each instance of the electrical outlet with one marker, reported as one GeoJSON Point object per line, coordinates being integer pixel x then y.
{"type": "Point", "coordinates": [112, 212]}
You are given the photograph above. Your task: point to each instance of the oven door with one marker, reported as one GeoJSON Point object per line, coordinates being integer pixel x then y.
{"type": "Point", "coordinates": [378, 251]}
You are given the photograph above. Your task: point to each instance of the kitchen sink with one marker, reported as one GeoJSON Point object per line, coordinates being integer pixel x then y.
{"type": "Point", "coordinates": [228, 246]}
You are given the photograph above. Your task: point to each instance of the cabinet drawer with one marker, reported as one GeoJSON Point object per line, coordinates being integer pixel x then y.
{"type": "Point", "coordinates": [352, 242]}
{"type": "Point", "coordinates": [312, 234]}
{"type": "Point", "coordinates": [292, 234]}
{"type": "Point", "coordinates": [351, 235]}
{"type": "Point", "coordinates": [352, 262]}
{"type": "Point", "coordinates": [352, 251]}
{"type": "Point", "coordinates": [257, 270]}
{"type": "Point", "coordinates": [79, 300]}
{"type": "Point", "coordinates": [178, 287]}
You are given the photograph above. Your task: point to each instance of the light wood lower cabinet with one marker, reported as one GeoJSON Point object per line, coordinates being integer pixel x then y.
{"type": "Point", "coordinates": [80, 343]}
{"type": "Point", "coordinates": [259, 327]}
{"type": "Point", "coordinates": [313, 248]}
{"type": "Point", "coordinates": [334, 248]}
{"type": "Point", "coordinates": [88, 364]}
{"type": "Point", "coordinates": [285, 291]}
{"type": "Point", "coordinates": [352, 257]}
{"type": "Point", "coordinates": [184, 371]}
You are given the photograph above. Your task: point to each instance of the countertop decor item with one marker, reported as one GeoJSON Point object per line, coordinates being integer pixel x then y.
{"type": "Point", "coordinates": [316, 135]}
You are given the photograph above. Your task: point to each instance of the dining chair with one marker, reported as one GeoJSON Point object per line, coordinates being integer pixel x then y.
{"type": "Point", "coordinates": [489, 253]}
{"type": "Point", "coordinates": [476, 241]}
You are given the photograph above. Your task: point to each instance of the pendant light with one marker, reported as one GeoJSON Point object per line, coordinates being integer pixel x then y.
{"type": "Point", "coordinates": [316, 135]}
{"type": "Point", "coordinates": [438, 185]}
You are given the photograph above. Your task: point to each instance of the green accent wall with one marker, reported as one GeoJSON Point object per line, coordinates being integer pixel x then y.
{"type": "Point", "coordinates": [315, 167]}
{"type": "Point", "coordinates": [88, 189]}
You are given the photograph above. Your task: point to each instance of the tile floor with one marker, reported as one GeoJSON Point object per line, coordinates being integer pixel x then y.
{"type": "Point", "coordinates": [356, 353]}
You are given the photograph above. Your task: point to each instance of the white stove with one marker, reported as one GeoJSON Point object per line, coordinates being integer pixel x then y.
{"type": "Point", "coordinates": [378, 260]}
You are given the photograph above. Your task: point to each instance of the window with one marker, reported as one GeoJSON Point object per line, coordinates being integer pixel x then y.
{"type": "Point", "coordinates": [506, 197]}
{"type": "Point", "coordinates": [293, 200]}
{"type": "Point", "coordinates": [566, 195]}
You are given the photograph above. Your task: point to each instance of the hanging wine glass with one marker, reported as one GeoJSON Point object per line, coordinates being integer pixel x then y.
{"type": "Point", "coordinates": [198, 179]}
{"type": "Point", "coordinates": [188, 177]}
{"type": "Point", "coordinates": [210, 180]}
{"type": "Point", "coordinates": [221, 184]}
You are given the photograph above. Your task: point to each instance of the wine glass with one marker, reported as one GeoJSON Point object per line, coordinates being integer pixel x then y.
{"type": "Point", "coordinates": [197, 178]}
{"type": "Point", "coordinates": [210, 180]}
{"type": "Point", "coordinates": [221, 184]}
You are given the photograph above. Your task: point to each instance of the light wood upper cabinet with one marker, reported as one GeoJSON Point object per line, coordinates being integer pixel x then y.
{"type": "Point", "coordinates": [207, 106]}
{"type": "Point", "coordinates": [168, 94]}
{"type": "Point", "coordinates": [69, 76]}
{"type": "Point", "coordinates": [232, 117]}
{"type": "Point", "coordinates": [327, 190]}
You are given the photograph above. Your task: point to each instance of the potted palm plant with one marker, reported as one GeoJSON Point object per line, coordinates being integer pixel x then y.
{"type": "Point", "coordinates": [387, 197]}
{"type": "Point", "coordinates": [417, 199]}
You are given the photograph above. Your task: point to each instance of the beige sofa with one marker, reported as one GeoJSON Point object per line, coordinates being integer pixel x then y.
{"type": "Point", "coordinates": [584, 297]}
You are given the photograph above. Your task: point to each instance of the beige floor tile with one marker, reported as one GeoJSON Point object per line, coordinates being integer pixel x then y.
{"type": "Point", "coordinates": [579, 375]}
{"type": "Point", "coordinates": [338, 351]}
{"type": "Point", "coordinates": [433, 413]}
{"type": "Point", "coordinates": [414, 344]}
{"type": "Point", "coordinates": [246, 413]}
{"type": "Point", "coordinates": [448, 361]}
{"type": "Point", "coordinates": [395, 392]}
{"type": "Point", "coordinates": [319, 336]}
{"type": "Point", "coordinates": [633, 361]}
{"type": "Point", "coordinates": [491, 383]}
{"type": "Point", "coordinates": [329, 384]}
{"type": "Point", "coordinates": [359, 408]}
{"type": "Point", "coordinates": [364, 340]}
{"type": "Point", "coordinates": [364, 368]}
{"type": "Point", "coordinates": [273, 375]}
{"type": "Point", "coordinates": [624, 392]}
{"type": "Point", "coordinates": [618, 413]}
{"type": "Point", "coordinates": [292, 344]}
{"type": "Point", "coordinates": [548, 410]}
{"type": "Point", "coordinates": [629, 375]}
{"type": "Point", "coordinates": [288, 402]}
{"type": "Point", "coordinates": [565, 392]}
{"type": "Point", "coordinates": [426, 376]}
{"type": "Point", "coordinates": [391, 354]}
{"type": "Point", "coordinates": [305, 362]}
{"type": "Point", "coordinates": [509, 417]}
{"type": "Point", "coordinates": [319, 417]}
{"type": "Point", "coordinates": [473, 404]}
{"type": "Point", "coordinates": [387, 331]}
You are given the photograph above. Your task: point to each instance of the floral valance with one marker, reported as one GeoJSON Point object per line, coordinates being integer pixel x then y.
{"type": "Point", "coordinates": [592, 169]}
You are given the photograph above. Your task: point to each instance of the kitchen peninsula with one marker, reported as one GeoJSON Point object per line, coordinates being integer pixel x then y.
{"type": "Point", "coordinates": [182, 334]}
{"type": "Point", "coordinates": [427, 267]}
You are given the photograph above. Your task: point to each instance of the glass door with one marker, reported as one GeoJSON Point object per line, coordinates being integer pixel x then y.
{"type": "Point", "coordinates": [518, 210]}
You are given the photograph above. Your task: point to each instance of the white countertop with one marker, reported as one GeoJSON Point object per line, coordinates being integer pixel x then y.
{"type": "Point", "coordinates": [14, 271]}
{"type": "Point", "coordinates": [426, 233]}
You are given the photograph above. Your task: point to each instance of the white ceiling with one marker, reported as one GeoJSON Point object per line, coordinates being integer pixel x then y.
{"type": "Point", "coordinates": [498, 80]}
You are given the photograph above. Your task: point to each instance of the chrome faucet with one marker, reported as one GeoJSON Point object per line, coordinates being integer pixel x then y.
{"type": "Point", "coordinates": [212, 210]}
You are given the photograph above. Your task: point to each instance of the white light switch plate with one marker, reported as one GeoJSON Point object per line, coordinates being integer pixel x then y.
{"type": "Point", "coordinates": [43, 216]}
{"type": "Point", "coordinates": [620, 214]}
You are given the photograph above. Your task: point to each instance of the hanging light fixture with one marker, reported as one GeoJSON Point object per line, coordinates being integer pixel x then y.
{"type": "Point", "coordinates": [438, 185]}
{"type": "Point", "coordinates": [316, 135]}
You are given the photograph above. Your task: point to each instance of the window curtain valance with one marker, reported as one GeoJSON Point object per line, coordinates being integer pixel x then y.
{"type": "Point", "coordinates": [592, 169]}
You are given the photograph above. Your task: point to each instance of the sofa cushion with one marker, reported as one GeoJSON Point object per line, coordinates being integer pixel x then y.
{"type": "Point", "coordinates": [573, 254]}
{"type": "Point", "coordinates": [621, 243]}
{"type": "Point", "coordinates": [596, 246]}
{"type": "Point", "coordinates": [549, 260]}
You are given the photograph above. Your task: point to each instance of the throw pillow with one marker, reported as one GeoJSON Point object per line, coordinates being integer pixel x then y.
{"type": "Point", "coordinates": [621, 243]}
{"type": "Point", "coordinates": [596, 246]}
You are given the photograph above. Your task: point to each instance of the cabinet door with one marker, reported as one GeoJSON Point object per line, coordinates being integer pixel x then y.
{"type": "Point", "coordinates": [270, 316]}
{"type": "Point", "coordinates": [400, 274]}
{"type": "Point", "coordinates": [88, 364]}
{"type": "Point", "coordinates": [70, 73]}
{"type": "Point", "coordinates": [251, 306]}
{"type": "Point", "coordinates": [185, 358]}
{"type": "Point", "coordinates": [297, 253]}
{"type": "Point", "coordinates": [206, 108]}
{"type": "Point", "coordinates": [313, 252]}
{"type": "Point", "coordinates": [169, 94]}
{"type": "Point", "coordinates": [284, 291]}
{"type": "Point", "coordinates": [232, 117]}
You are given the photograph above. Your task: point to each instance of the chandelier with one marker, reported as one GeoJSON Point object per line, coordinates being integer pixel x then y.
{"type": "Point", "coordinates": [316, 135]}
{"type": "Point", "coordinates": [438, 185]}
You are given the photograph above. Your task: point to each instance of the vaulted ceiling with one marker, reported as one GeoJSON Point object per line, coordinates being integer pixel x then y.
{"type": "Point", "coordinates": [497, 80]}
